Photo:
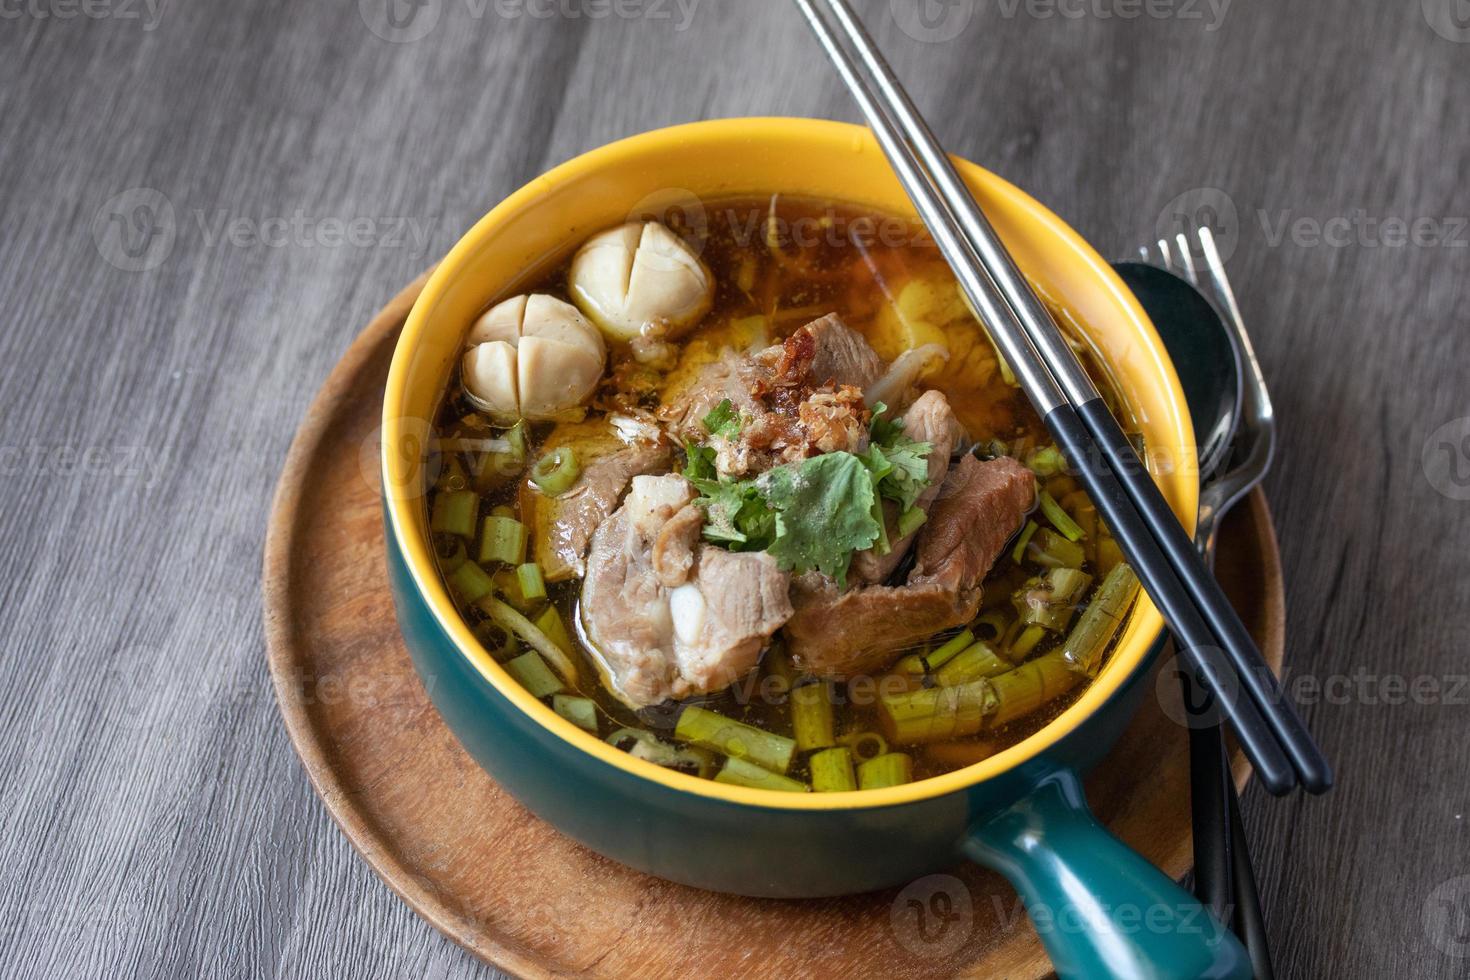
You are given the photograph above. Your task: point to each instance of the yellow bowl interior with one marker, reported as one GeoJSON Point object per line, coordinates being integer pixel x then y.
{"type": "Point", "coordinates": [544, 221]}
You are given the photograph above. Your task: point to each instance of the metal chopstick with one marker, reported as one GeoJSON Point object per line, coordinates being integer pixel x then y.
{"type": "Point", "coordinates": [1233, 638]}
{"type": "Point", "coordinates": [1062, 421]}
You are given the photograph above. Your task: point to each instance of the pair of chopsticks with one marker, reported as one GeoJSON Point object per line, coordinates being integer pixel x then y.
{"type": "Point", "coordinates": [1213, 644]}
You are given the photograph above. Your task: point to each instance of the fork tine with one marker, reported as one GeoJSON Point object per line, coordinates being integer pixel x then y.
{"type": "Point", "coordinates": [1166, 254]}
{"type": "Point", "coordinates": [1186, 256]}
{"type": "Point", "coordinates": [1218, 279]}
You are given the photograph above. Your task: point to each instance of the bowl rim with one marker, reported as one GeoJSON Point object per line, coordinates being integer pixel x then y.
{"type": "Point", "coordinates": [1181, 486]}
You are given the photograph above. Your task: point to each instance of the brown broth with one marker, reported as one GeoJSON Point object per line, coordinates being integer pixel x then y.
{"type": "Point", "coordinates": [789, 261]}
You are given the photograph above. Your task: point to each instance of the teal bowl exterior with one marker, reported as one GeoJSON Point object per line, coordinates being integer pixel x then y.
{"type": "Point", "coordinates": [710, 843]}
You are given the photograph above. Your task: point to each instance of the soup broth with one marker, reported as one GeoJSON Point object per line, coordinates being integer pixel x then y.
{"type": "Point", "coordinates": [777, 264]}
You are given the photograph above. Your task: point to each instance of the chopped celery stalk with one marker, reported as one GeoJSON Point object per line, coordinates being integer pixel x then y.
{"type": "Point", "coordinates": [1052, 550]}
{"type": "Point", "coordinates": [454, 513]}
{"type": "Point", "coordinates": [550, 624]}
{"type": "Point", "coordinates": [1049, 601]}
{"type": "Point", "coordinates": [556, 472]}
{"type": "Point", "coordinates": [832, 771]}
{"type": "Point", "coordinates": [780, 667]}
{"type": "Point", "coordinates": [533, 585]}
{"type": "Point", "coordinates": [893, 769]}
{"type": "Point", "coordinates": [581, 712]}
{"type": "Point", "coordinates": [452, 477]}
{"type": "Point", "coordinates": [1047, 461]}
{"type": "Point", "coordinates": [811, 715]}
{"type": "Point", "coordinates": [508, 619]}
{"type": "Point", "coordinates": [937, 714]}
{"type": "Point", "coordinates": [864, 745]}
{"type": "Point", "coordinates": [450, 551]}
{"type": "Point", "coordinates": [1059, 518]}
{"type": "Point", "coordinates": [531, 672]}
{"type": "Point", "coordinates": [1022, 646]}
{"type": "Point", "coordinates": [1019, 551]}
{"type": "Point", "coordinates": [974, 662]}
{"type": "Point", "coordinates": [996, 621]}
{"type": "Point", "coordinates": [471, 582]}
{"type": "Point", "coordinates": [709, 730]}
{"type": "Point", "coordinates": [503, 511]}
{"type": "Point", "coordinates": [1030, 686]}
{"type": "Point", "coordinates": [508, 587]}
{"type": "Point", "coordinates": [923, 663]}
{"type": "Point", "coordinates": [516, 436]}
{"type": "Point", "coordinates": [738, 772]}
{"type": "Point", "coordinates": [648, 747]}
{"type": "Point", "coordinates": [503, 540]}
{"type": "Point", "coordinates": [910, 521]}
{"type": "Point", "coordinates": [1084, 648]}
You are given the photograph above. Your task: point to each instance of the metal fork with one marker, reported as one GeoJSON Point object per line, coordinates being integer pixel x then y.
{"type": "Point", "coordinates": [1230, 883]}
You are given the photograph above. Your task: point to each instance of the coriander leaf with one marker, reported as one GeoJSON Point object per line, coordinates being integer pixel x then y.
{"type": "Point", "coordinates": [736, 514]}
{"type": "Point", "coordinates": [723, 421]}
{"type": "Point", "coordinates": [824, 512]}
{"type": "Point", "coordinates": [701, 462]}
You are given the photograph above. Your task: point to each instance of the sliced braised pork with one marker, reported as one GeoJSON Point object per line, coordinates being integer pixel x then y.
{"type": "Point", "coordinates": [979, 507]}
{"type": "Point", "coordinates": [929, 419]}
{"type": "Point", "coordinates": [670, 617]}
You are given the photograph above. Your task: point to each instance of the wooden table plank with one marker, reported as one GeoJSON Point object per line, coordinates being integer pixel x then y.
{"type": "Point", "coordinates": [153, 820]}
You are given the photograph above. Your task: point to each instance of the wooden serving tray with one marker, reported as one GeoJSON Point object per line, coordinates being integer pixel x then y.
{"type": "Point", "coordinates": [518, 894]}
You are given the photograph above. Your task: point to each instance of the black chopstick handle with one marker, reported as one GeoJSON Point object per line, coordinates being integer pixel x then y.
{"type": "Point", "coordinates": [1209, 807]}
{"type": "Point", "coordinates": [1163, 586]}
{"type": "Point", "coordinates": [1250, 923]}
{"type": "Point", "coordinates": [1249, 666]}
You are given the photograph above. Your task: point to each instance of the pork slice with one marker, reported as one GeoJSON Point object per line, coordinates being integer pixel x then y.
{"type": "Point", "coordinates": [654, 641]}
{"type": "Point", "coordinates": [564, 525]}
{"type": "Point", "coordinates": [978, 509]}
{"type": "Point", "coordinates": [842, 355]}
{"type": "Point", "coordinates": [929, 419]}
{"type": "Point", "coordinates": [732, 376]}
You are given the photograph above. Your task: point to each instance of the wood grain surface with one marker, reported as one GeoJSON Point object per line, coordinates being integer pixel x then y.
{"type": "Point", "coordinates": [203, 201]}
{"type": "Point", "coordinates": [454, 845]}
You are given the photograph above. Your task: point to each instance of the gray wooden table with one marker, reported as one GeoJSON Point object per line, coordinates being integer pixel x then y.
{"type": "Point", "coordinates": [202, 201]}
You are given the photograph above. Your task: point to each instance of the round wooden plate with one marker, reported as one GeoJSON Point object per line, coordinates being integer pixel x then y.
{"type": "Point", "coordinates": [515, 892]}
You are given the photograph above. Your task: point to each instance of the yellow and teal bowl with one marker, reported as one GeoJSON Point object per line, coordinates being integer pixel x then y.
{"type": "Point", "coordinates": [1020, 811]}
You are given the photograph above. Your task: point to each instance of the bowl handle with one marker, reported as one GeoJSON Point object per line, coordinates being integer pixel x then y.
{"type": "Point", "coordinates": [1100, 909]}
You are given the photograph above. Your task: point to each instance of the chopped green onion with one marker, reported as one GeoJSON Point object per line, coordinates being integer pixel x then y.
{"type": "Point", "coordinates": [1104, 615]}
{"type": "Point", "coordinates": [1051, 550]}
{"type": "Point", "coordinates": [1027, 641]}
{"type": "Point", "coordinates": [979, 660]}
{"type": "Point", "coordinates": [738, 772]}
{"type": "Point", "coordinates": [936, 714]}
{"type": "Point", "coordinates": [1029, 687]}
{"type": "Point", "coordinates": [1047, 461]}
{"type": "Point", "coordinates": [1050, 601]}
{"type": "Point", "coordinates": [503, 540]}
{"type": "Point", "coordinates": [1059, 518]}
{"type": "Point", "coordinates": [864, 745]}
{"type": "Point", "coordinates": [507, 618]}
{"type": "Point", "coordinates": [648, 747]}
{"type": "Point", "coordinates": [450, 551]}
{"type": "Point", "coordinates": [533, 585]}
{"type": "Point", "coordinates": [516, 436]}
{"type": "Point", "coordinates": [471, 582]}
{"type": "Point", "coordinates": [503, 511]}
{"type": "Point", "coordinates": [581, 712]}
{"type": "Point", "coordinates": [893, 769]}
{"type": "Point", "coordinates": [556, 472]}
{"type": "Point", "coordinates": [531, 672]}
{"type": "Point", "coordinates": [832, 771]}
{"type": "Point", "coordinates": [811, 715]}
{"type": "Point", "coordinates": [454, 513]}
{"type": "Point", "coordinates": [706, 729]}
{"type": "Point", "coordinates": [996, 621]}
{"type": "Point", "coordinates": [497, 642]}
{"type": "Point", "coordinates": [780, 668]}
{"type": "Point", "coordinates": [550, 624]}
{"type": "Point", "coordinates": [923, 663]}
{"type": "Point", "coordinates": [452, 477]}
{"type": "Point", "coordinates": [1019, 551]}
